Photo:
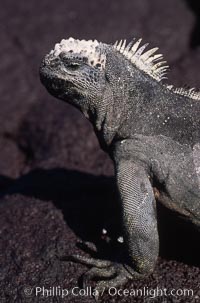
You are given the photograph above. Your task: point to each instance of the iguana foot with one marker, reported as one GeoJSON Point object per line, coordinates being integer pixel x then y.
{"type": "Point", "coordinates": [107, 273]}
{"type": "Point", "coordinates": [114, 275]}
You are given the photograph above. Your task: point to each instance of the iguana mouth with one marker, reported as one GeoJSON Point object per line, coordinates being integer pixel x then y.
{"type": "Point", "coordinates": [56, 85]}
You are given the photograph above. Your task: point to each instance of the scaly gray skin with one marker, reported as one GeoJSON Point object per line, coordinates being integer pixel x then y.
{"type": "Point", "coordinates": [150, 130]}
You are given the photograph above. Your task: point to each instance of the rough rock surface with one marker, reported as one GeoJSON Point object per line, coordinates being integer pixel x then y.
{"type": "Point", "coordinates": [56, 184]}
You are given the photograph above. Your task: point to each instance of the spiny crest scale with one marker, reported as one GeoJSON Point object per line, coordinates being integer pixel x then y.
{"type": "Point", "coordinates": [145, 61]}
{"type": "Point", "coordinates": [190, 93]}
{"type": "Point", "coordinates": [90, 49]}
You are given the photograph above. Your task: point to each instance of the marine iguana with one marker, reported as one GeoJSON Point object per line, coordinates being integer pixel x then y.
{"type": "Point", "coordinates": [150, 130]}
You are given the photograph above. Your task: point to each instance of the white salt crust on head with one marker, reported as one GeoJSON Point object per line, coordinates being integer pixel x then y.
{"type": "Point", "coordinates": [89, 49]}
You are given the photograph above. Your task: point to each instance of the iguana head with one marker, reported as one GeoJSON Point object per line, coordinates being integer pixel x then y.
{"type": "Point", "coordinates": [74, 72]}
{"type": "Point", "coordinates": [99, 79]}
{"type": "Point", "coordinates": [80, 71]}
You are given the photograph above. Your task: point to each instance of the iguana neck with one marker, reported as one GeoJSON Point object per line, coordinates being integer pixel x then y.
{"type": "Point", "coordinates": [107, 116]}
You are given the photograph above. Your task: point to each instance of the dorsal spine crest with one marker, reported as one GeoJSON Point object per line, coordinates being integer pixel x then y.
{"type": "Point", "coordinates": [145, 61]}
{"type": "Point", "coordinates": [189, 93]}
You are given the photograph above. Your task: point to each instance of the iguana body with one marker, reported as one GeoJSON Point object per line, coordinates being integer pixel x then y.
{"type": "Point", "coordinates": [150, 130]}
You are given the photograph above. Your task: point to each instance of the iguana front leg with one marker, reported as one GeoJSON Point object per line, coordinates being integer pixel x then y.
{"type": "Point", "coordinates": [139, 222]}
{"type": "Point", "coordinates": [138, 214]}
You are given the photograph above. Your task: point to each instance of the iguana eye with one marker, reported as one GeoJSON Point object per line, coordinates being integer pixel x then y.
{"type": "Point", "coordinates": [68, 62]}
{"type": "Point", "coordinates": [72, 65]}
